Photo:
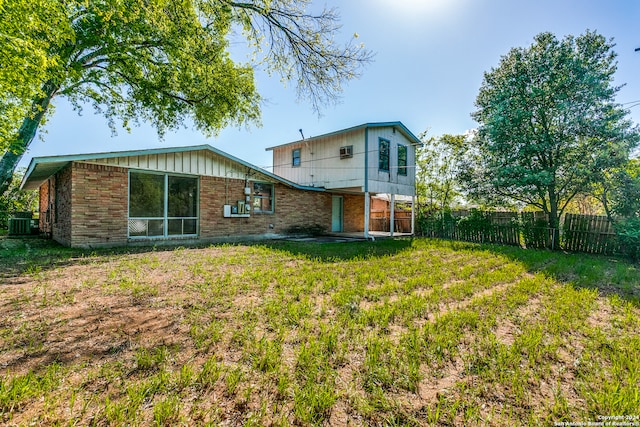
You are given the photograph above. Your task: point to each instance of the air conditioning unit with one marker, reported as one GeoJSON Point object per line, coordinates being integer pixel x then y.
{"type": "Point", "coordinates": [346, 152]}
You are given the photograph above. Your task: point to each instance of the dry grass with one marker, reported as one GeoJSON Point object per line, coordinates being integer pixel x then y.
{"type": "Point", "coordinates": [405, 332]}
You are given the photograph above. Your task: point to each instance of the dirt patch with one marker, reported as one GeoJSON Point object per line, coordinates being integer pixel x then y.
{"type": "Point", "coordinates": [506, 331]}
{"type": "Point", "coordinates": [433, 386]}
{"type": "Point", "coordinates": [227, 308]}
{"type": "Point", "coordinates": [88, 331]}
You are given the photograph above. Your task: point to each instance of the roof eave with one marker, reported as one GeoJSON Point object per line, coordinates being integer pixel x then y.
{"type": "Point", "coordinates": [64, 160]}
{"type": "Point", "coordinates": [407, 133]}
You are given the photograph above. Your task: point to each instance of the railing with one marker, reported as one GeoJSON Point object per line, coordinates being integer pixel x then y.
{"type": "Point", "coordinates": [401, 225]}
{"type": "Point", "coordinates": [381, 222]}
{"type": "Point", "coordinates": [163, 227]}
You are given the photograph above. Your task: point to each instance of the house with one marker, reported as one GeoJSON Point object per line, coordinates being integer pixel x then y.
{"type": "Point", "coordinates": [365, 161]}
{"type": "Point", "coordinates": [198, 194]}
{"type": "Point", "coordinates": [193, 193]}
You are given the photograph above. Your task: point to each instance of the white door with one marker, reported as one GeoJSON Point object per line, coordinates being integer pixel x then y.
{"type": "Point", "coordinates": [336, 213]}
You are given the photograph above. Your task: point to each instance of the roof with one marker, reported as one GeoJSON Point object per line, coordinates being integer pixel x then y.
{"type": "Point", "coordinates": [42, 168]}
{"type": "Point", "coordinates": [398, 125]}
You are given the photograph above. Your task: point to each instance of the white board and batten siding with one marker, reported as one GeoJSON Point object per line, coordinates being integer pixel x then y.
{"type": "Point", "coordinates": [321, 165]}
{"type": "Point", "coordinates": [320, 162]}
{"type": "Point", "coordinates": [390, 182]}
{"type": "Point", "coordinates": [189, 163]}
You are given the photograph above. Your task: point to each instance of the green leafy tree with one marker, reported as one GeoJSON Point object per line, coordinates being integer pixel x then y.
{"type": "Point", "coordinates": [619, 190]}
{"type": "Point", "coordinates": [549, 124]}
{"type": "Point", "coordinates": [437, 185]}
{"type": "Point", "coordinates": [16, 200]}
{"type": "Point", "coordinates": [165, 62]}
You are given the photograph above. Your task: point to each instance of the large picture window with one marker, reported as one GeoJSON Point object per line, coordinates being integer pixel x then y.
{"type": "Point", "coordinates": [262, 197]}
{"type": "Point", "coordinates": [402, 160]}
{"type": "Point", "coordinates": [162, 205]}
{"type": "Point", "coordinates": [383, 155]}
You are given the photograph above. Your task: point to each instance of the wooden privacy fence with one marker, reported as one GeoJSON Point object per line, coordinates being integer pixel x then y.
{"type": "Point", "coordinates": [579, 233]}
{"type": "Point", "coordinates": [589, 233]}
{"type": "Point", "coordinates": [536, 233]}
{"type": "Point", "coordinates": [488, 227]}
{"type": "Point", "coordinates": [473, 226]}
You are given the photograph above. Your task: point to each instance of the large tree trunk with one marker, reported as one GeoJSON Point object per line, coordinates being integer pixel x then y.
{"type": "Point", "coordinates": [25, 135]}
{"type": "Point", "coordinates": [554, 221]}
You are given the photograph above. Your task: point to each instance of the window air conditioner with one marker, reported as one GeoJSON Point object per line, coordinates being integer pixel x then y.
{"type": "Point", "coordinates": [346, 152]}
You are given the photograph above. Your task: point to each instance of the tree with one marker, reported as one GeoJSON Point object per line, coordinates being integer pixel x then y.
{"type": "Point", "coordinates": [549, 123]}
{"type": "Point", "coordinates": [619, 193]}
{"type": "Point", "coordinates": [165, 62]}
{"type": "Point", "coordinates": [619, 190]}
{"type": "Point", "coordinates": [437, 186]}
{"type": "Point", "coordinates": [16, 200]}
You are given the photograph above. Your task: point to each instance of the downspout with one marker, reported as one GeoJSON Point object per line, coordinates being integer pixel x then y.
{"type": "Point", "coordinates": [367, 206]}
{"type": "Point", "coordinates": [413, 214]}
{"type": "Point", "coordinates": [392, 219]}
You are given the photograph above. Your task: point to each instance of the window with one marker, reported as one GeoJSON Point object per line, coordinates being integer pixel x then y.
{"type": "Point", "coordinates": [346, 152]}
{"type": "Point", "coordinates": [295, 157]}
{"type": "Point", "coordinates": [162, 205]}
{"type": "Point", "coordinates": [383, 154]}
{"type": "Point", "coordinates": [182, 205]}
{"type": "Point", "coordinates": [402, 160]}
{"type": "Point", "coordinates": [262, 197]}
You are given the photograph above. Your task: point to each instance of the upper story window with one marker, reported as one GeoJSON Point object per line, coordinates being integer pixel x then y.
{"type": "Point", "coordinates": [295, 157]}
{"type": "Point", "coordinates": [383, 154]}
{"type": "Point", "coordinates": [262, 197]}
{"type": "Point", "coordinates": [402, 160]}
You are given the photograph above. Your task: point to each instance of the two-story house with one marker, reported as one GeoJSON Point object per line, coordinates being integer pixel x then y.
{"type": "Point", "coordinates": [202, 194]}
{"type": "Point", "coordinates": [354, 164]}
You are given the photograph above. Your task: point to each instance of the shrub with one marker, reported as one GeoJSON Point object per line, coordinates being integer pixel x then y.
{"type": "Point", "coordinates": [628, 231]}
{"type": "Point", "coordinates": [306, 230]}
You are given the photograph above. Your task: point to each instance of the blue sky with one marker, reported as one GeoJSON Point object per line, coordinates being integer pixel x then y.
{"type": "Point", "coordinates": [429, 64]}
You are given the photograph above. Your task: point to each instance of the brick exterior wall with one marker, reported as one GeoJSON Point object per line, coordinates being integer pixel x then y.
{"type": "Point", "coordinates": [353, 205]}
{"type": "Point", "coordinates": [45, 203]}
{"type": "Point", "coordinates": [380, 205]}
{"type": "Point", "coordinates": [60, 206]}
{"type": "Point", "coordinates": [88, 206]}
{"type": "Point", "coordinates": [292, 208]}
{"type": "Point", "coordinates": [85, 205]}
{"type": "Point", "coordinates": [296, 208]}
{"type": "Point", "coordinates": [99, 205]}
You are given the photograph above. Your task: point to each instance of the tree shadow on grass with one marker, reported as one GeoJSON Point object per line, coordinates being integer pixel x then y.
{"type": "Point", "coordinates": [33, 255]}
{"type": "Point", "coordinates": [92, 335]}
{"type": "Point", "coordinates": [340, 251]}
{"type": "Point", "coordinates": [609, 275]}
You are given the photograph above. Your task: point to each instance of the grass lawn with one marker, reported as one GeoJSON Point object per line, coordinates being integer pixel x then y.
{"type": "Point", "coordinates": [396, 332]}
